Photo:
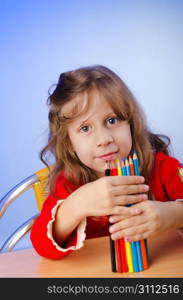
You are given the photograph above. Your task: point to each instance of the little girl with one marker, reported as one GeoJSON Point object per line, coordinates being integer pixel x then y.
{"type": "Point", "coordinates": [94, 118]}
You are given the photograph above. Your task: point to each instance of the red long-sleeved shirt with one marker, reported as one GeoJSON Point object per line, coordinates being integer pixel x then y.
{"type": "Point", "coordinates": [166, 185]}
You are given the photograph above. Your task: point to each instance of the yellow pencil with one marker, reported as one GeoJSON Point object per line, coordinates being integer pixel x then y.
{"type": "Point", "coordinates": [129, 256]}
{"type": "Point", "coordinates": [118, 167]}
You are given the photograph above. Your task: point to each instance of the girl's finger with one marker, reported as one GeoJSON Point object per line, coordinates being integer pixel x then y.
{"type": "Point", "coordinates": [130, 189]}
{"type": "Point", "coordinates": [130, 199]}
{"type": "Point", "coordinates": [125, 211]}
{"type": "Point", "coordinates": [134, 233]}
{"type": "Point", "coordinates": [125, 224]}
{"type": "Point", "coordinates": [121, 180]}
{"type": "Point", "coordinates": [117, 218]}
{"type": "Point", "coordinates": [140, 236]}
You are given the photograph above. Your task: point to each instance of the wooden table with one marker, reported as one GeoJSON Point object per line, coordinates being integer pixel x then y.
{"type": "Point", "coordinates": [93, 260]}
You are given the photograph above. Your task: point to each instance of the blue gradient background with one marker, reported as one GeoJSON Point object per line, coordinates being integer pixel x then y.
{"type": "Point", "coordinates": [142, 41]}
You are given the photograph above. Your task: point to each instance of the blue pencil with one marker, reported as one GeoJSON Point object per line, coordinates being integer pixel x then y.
{"type": "Point", "coordinates": [127, 167]}
{"type": "Point", "coordinates": [135, 257]}
{"type": "Point", "coordinates": [123, 167]}
{"type": "Point", "coordinates": [136, 164]}
{"type": "Point", "coordinates": [139, 252]}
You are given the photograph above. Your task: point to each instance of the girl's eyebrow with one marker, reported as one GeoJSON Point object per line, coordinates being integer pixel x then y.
{"type": "Point", "coordinates": [82, 122]}
{"type": "Point", "coordinates": [105, 117]}
{"type": "Point", "coordinates": [110, 114]}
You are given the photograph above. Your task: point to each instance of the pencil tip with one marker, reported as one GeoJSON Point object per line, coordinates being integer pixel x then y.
{"type": "Point", "coordinates": [134, 155]}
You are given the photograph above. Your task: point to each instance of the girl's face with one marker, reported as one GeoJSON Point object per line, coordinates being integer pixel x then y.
{"type": "Point", "coordinates": [98, 134]}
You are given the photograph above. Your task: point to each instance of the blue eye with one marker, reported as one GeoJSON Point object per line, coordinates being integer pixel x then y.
{"type": "Point", "coordinates": [84, 128]}
{"type": "Point", "coordinates": [112, 120]}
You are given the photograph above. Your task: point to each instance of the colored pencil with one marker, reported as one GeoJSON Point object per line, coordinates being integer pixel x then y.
{"type": "Point", "coordinates": [127, 256]}
{"type": "Point", "coordinates": [118, 256]}
{"type": "Point", "coordinates": [120, 243]}
{"type": "Point", "coordinates": [144, 254]}
{"type": "Point", "coordinates": [123, 255]}
{"type": "Point", "coordinates": [130, 171]}
{"type": "Point", "coordinates": [111, 242]}
{"type": "Point", "coordinates": [139, 256]}
{"type": "Point", "coordinates": [127, 259]}
{"type": "Point", "coordinates": [134, 257]}
{"type": "Point", "coordinates": [143, 244]}
{"type": "Point", "coordinates": [114, 169]}
{"type": "Point", "coordinates": [117, 244]}
{"type": "Point", "coordinates": [127, 167]}
{"type": "Point", "coordinates": [119, 167]}
{"type": "Point", "coordinates": [123, 167]}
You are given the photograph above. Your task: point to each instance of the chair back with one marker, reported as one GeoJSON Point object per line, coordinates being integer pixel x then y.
{"type": "Point", "coordinates": [38, 182]}
{"type": "Point", "coordinates": [40, 187]}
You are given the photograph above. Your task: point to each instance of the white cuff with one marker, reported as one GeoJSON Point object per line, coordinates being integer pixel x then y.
{"type": "Point", "coordinates": [81, 235]}
{"type": "Point", "coordinates": [179, 200]}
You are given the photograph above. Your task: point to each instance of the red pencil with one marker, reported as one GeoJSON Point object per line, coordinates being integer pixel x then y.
{"type": "Point", "coordinates": [118, 256]}
{"type": "Point", "coordinates": [123, 255]}
{"type": "Point", "coordinates": [114, 169]}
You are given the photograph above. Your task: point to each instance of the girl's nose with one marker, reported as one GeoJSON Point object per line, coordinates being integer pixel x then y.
{"type": "Point", "coordinates": [104, 138]}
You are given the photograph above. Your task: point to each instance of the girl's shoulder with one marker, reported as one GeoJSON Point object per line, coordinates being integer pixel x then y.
{"type": "Point", "coordinates": [161, 158]}
{"type": "Point", "coordinates": [167, 178]}
{"type": "Point", "coordinates": [167, 169]}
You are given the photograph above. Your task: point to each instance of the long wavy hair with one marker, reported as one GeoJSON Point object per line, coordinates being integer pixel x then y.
{"type": "Point", "coordinates": [83, 82]}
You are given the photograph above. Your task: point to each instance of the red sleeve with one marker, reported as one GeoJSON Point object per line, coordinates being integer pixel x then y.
{"type": "Point", "coordinates": [39, 237]}
{"type": "Point", "coordinates": [172, 174]}
{"type": "Point", "coordinates": [167, 179]}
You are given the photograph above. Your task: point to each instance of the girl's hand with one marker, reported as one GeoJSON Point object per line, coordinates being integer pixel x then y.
{"type": "Point", "coordinates": [155, 216]}
{"type": "Point", "coordinates": [109, 195]}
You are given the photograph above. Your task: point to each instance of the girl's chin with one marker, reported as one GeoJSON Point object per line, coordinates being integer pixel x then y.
{"type": "Point", "coordinates": [99, 174]}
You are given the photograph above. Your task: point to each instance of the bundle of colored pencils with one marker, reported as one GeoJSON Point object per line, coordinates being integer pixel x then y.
{"type": "Point", "coordinates": [127, 256]}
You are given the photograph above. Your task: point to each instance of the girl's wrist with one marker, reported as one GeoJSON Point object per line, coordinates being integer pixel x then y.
{"type": "Point", "coordinates": [178, 215]}
{"type": "Point", "coordinates": [76, 207]}
{"type": "Point", "coordinates": [174, 214]}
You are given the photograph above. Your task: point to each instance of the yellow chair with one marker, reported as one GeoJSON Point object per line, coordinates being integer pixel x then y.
{"type": "Point", "coordinates": [37, 181]}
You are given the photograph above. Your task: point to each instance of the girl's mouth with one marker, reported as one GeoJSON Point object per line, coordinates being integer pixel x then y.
{"type": "Point", "coordinates": [109, 156]}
